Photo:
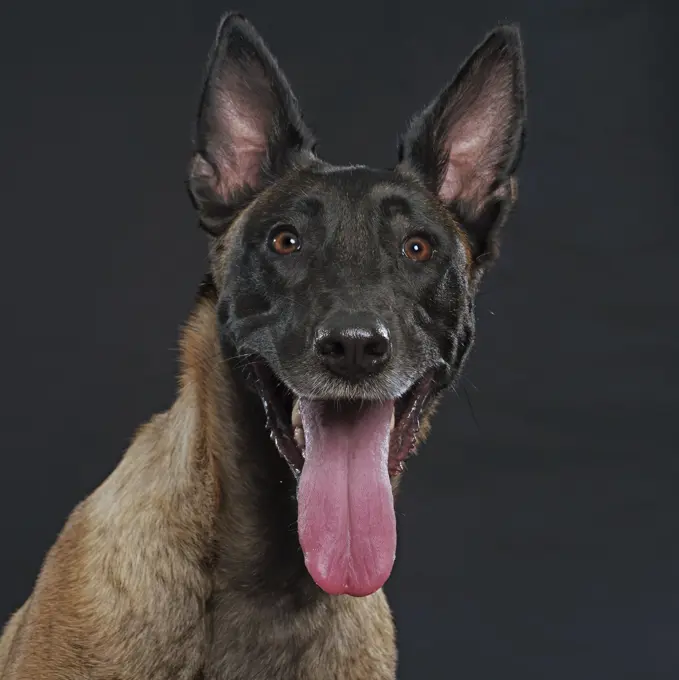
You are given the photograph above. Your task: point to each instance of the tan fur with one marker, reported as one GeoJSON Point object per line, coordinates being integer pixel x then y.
{"type": "Point", "coordinates": [125, 592]}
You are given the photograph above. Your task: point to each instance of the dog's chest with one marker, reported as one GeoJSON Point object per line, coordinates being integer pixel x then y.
{"type": "Point", "coordinates": [351, 641]}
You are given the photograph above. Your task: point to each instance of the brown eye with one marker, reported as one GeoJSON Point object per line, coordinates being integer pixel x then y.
{"type": "Point", "coordinates": [418, 248]}
{"type": "Point", "coordinates": [285, 241]}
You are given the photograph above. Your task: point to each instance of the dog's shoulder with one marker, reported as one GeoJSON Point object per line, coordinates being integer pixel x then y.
{"type": "Point", "coordinates": [120, 593]}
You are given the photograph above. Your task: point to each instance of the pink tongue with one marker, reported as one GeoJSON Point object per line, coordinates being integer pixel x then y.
{"type": "Point", "coordinates": [347, 525]}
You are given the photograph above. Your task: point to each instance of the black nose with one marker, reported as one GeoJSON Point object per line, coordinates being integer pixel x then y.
{"type": "Point", "coordinates": [353, 346]}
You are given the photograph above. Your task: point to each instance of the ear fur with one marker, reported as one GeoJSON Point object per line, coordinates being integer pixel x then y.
{"type": "Point", "coordinates": [249, 125]}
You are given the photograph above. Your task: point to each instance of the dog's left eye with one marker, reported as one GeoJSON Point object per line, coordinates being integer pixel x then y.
{"type": "Point", "coordinates": [418, 248]}
{"type": "Point", "coordinates": [285, 241]}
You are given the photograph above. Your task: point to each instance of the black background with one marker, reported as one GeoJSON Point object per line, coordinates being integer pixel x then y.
{"type": "Point", "coordinates": [538, 539]}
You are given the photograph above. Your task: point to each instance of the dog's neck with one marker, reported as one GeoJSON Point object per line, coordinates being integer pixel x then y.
{"type": "Point", "coordinates": [255, 535]}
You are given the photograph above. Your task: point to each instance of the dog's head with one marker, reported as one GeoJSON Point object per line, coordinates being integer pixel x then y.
{"type": "Point", "coordinates": [350, 290]}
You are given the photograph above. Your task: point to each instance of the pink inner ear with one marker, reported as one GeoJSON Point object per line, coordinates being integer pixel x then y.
{"type": "Point", "coordinates": [241, 153]}
{"type": "Point", "coordinates": [475, 138]}
{"type": "Point", "coordinates": [451, 184]}
{"type": "Point", "coordinates": [470, 165]}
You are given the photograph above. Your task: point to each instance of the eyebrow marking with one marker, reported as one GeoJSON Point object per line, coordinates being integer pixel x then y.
{"type": "Point", "coordinates": [395, 204]}
{"type": "Point", "coordinates": [309, 205]}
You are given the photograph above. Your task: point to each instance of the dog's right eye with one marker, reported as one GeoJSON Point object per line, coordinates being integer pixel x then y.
{"type": "Point", "coordinates": [285, 241]}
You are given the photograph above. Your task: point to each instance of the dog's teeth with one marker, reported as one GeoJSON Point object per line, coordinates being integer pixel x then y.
{"type": "Point", "coordinates": [299, 438]}
{"type": "Point", "coordinates": [393, 421]}
{"type": "Point", "coordinates": [296, 415]}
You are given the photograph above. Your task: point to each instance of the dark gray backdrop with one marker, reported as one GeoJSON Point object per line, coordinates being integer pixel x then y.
{"type": "Point", "coordinates": [537, 540]}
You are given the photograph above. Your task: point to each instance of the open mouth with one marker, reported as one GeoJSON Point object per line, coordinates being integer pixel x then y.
{"type": "Point", "coordinates": [344, 454]}
{"type": "Point", "coordinates": [285, 423]}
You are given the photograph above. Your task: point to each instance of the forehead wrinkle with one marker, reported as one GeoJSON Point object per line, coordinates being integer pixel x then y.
{"type": "Point", "coordinates": [308, 203]}
{"type": "Point", "coordinates": [351, 203]}
{"type": "Point", "coordinates": [385, 189]}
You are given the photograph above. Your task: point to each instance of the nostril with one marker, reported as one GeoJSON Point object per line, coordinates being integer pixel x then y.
{"type": "Point", "coordinates": [377, 349]}
{"type": "Point", "coordinates": [331, 348]}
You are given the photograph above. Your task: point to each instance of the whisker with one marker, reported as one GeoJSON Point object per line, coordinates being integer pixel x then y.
{"type": "Point", "coordinates": [466, 379]}
{"type": "Point", "coordinates": [471, 408]}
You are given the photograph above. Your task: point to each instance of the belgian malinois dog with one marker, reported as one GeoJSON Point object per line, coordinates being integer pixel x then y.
{"type": "Point", "coordinates": [248, 531]}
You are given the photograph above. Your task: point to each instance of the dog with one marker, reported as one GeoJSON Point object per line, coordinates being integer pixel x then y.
{"type": "Point", "coordinates": [248, 531]}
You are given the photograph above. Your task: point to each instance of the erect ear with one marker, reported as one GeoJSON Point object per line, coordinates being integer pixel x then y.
{"type": "Point", "coordinates": [249, 125]}
{"type": "Point", "coordinates": [466, 144]}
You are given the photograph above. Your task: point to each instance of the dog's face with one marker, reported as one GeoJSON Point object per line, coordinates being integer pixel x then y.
{"type": "Point", "coordinates": [349, 291]}
{"type": "Point", "coordinates": [349, 282]}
